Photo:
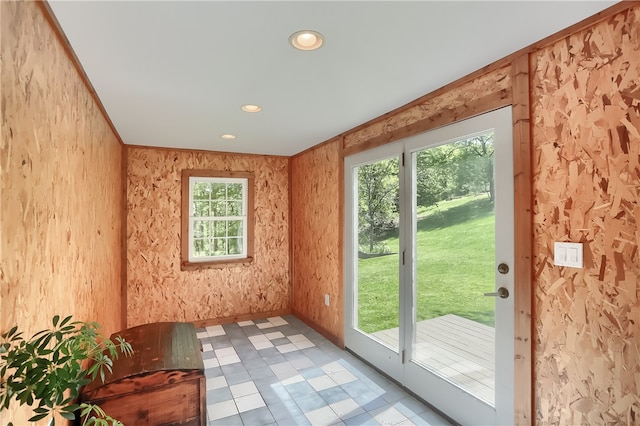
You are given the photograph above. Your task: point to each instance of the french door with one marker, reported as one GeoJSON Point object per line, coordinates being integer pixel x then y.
{"type": "Point", "coordinates": [428, 265]}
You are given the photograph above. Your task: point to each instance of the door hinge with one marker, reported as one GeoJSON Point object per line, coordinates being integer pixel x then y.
{"type": "Point", "coordinates": [402, 257]}
{"type": "Point", "coordinates": [403, 159]}
{"type": "Point", "coordinates": [403, 356]}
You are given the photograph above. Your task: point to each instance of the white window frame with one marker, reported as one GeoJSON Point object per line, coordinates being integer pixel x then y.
{"type": "Point", "coordinates": [193, 180]}
{"type": "Point", "coordinates": [189, 179]}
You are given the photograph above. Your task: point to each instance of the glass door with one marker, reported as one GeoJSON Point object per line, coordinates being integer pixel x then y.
{"type": "Point", "coordinates": [461, 206]}
{"type": "Point", "coordinates": [428, 265]}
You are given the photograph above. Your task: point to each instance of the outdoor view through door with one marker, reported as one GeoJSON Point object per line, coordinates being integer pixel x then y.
{"type": "Point", "coordinates": [454, 223]}
{"type": "Point", "coordinates": [426, 291]}
{"type": "Point", "coordinates": [378, 279]}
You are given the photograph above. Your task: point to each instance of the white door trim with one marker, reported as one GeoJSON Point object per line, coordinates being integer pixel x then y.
{"type": "Point", "coordinates": [454, 402]}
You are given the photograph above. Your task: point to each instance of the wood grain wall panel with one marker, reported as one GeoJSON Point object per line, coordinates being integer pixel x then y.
{"type": "Point", "coordinates": [60, 187]}
{"type": "Point", "coordinates": [157, 290]}
{"type": "Point", "coordinates": [488, 91]}
{"type": "Point", "coordinates": [315, 222]}
{"type": "Point", "coordinates": [586, 137]}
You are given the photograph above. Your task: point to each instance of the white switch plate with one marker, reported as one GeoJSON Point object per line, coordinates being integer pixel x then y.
{"type": "Point", "coordinates": [567, 254]}
{"type": "Point", "coordinates": [326, 299]}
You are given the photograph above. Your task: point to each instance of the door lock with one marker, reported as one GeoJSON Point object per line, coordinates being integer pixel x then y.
{"type": "Point", "coordinates": [502, 293]}
{"type": "Point", "coordinates": [503, 268]}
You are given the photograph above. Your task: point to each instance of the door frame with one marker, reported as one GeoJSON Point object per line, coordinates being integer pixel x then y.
{"type": "Point", "coordinates": [449, 397]}
{"type": "Point", "coordinates": [518, 98]}
{"type": "Point", "coordinates": [447, 111]}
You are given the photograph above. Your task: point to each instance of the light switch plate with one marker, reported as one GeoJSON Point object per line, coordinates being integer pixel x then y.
{"type": "Point", "coordinates": [567, 254]}
{"type": "Point", "coordinates": [326, 299]}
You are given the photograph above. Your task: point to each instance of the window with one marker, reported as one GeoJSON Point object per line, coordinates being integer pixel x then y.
{"type": "Point", "coordinates": [217, 218]}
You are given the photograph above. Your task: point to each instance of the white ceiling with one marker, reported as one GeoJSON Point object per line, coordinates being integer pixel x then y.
{"type": "Point", "coordinates": [175, 73]}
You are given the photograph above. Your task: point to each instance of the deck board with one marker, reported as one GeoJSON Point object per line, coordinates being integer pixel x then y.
{"type": "Point", "coordinates": [458, 349]}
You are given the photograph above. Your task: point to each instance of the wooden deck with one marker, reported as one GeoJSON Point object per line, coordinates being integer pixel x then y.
{"type": "Point", "coordinates": [458, 349]}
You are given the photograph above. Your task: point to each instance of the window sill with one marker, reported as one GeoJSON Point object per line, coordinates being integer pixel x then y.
{"type": "Point", "coordinates": [217, 264]}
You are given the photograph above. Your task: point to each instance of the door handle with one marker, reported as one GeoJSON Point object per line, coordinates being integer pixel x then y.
{"type": "Point", "coordinates": [502, 293]}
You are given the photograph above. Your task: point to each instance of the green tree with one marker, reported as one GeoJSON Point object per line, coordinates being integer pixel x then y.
{"type": "Point", "coordinates": [455, 169]}
{"type": "Point", "coordinates": [377, 200]}
{"type": "Point", "coordinates": [477, 160]}
{"type": "Point", "coordinates": [435, 174]}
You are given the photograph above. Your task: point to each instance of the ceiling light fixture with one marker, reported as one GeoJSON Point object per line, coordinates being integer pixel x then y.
{"type": "Point", "coordinates": [306, 40]}
{"type": "Point", "coordinates": [251, 108]}
{"type": "Point", "coordinates": [228, 136]}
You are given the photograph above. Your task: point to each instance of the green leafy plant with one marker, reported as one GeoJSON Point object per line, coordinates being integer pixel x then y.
{"type": "Point", "coordinates": [49, 369]}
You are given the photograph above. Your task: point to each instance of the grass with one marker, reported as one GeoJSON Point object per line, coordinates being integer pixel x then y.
{"type": "Point", "coordinates": [455, 266]}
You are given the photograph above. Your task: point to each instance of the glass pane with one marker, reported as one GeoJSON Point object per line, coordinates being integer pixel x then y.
{"type": "Point", "coordinates": [201, 191]}
{"type": "Point", "coordinates": [235, 245]}
{"type": "Point", "coordinates": [220, 228]}
{"type": "Point", "coordinates": [234, 191]}
{"type": "Point", "coordinates": [235, 228]}
{"type": "Point", "coordinates": [208, 247]}
{"type": "Point", "coordinates": [198, 247]}
{"type": "Point", "coordinates": [220, 246]}
{"type": "Point", "coordinates": [219, 208]}
{"type": "Point", "coordinates": [377, 290]}
{"type": "Point", "coordinates": [201, 208]}
{"type": "Point", "coordinates": [199, 228]}
{"type": "Point", "coordinates": [202, 247]}
{"type": "Point", "coordinates": [218, 191]}
{"type": "Point", "coordinates": [234, 208]}
{"type": "Point", "coordinates": [454, 230]}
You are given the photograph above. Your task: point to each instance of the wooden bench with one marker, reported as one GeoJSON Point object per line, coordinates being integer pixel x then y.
{"type": "Point", "coordinates": [162, 383]}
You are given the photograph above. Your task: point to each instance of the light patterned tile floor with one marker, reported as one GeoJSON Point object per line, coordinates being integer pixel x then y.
{"type": "Point", "coordinates": [280, 372]}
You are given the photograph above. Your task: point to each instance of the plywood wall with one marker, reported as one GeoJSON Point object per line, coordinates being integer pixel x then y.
{"type": "Point", "coordinates": [488, 91]}
{"type": "Point", "coordinates": [60, 187]}
{"type": "Point", "coordinates": [317, 251]}
{"type": "Point", "coordinates": [586, 139]}
{"type": "Point", "coordinates": [157, 289]}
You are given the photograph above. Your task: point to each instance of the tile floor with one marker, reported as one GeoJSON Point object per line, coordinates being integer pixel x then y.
{"type": "Point", "coordinates": [278, 371]}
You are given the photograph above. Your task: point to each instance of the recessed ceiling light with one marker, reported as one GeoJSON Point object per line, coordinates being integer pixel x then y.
{"type": "Point", "coordinates": [228, 136]}
{"type": "Point", "coordinates": [251, 108]}
{"type": "Point", "coordinates": [306, 40]}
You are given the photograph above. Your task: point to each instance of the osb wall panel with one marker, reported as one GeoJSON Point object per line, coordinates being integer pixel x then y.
{"type": "Point", "coordinates": [463, 100]}
{"type": "Point", "coordinates": [157, 290]}
{"type": "Point", "coordinates": [60, 186]}
{"type": "Point", "coordinates": [586, 136]}
{"type": "Point", "coordinates": [315, 222]}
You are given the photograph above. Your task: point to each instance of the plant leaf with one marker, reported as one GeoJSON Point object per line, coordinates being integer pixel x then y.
{"type": "Point", "coordinates": [38, 417]}
{"type": "Point", "coordinates": [67, 415]}
{"type": "Point", "coordinates": [65, 321]}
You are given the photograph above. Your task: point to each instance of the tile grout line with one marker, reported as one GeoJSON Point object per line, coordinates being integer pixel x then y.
{"type": "Point", "coordinates": [326, 385]}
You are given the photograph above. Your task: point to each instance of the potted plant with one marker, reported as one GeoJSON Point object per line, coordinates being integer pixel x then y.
{"type": "Point", "coordinates": [50, 368]}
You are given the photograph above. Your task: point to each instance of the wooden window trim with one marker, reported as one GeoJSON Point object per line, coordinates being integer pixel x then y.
{"type": "Point", "coordinates": [185, 264]}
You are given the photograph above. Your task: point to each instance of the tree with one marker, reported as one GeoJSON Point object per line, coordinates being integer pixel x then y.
{"type": "Point", "coordinates": [455, 169]}
{"type": "Point", "coordinates": [478, 157]}
{"type": "Point", "coordinates": [378, 186]}
{"type": "Point", "coordinates": [451, 170]}
{"type": "Point", "coordinates": [435, 174]}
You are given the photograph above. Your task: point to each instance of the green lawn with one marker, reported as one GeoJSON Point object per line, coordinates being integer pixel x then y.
{"type": "Point", "coordinates": [455, 267]}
